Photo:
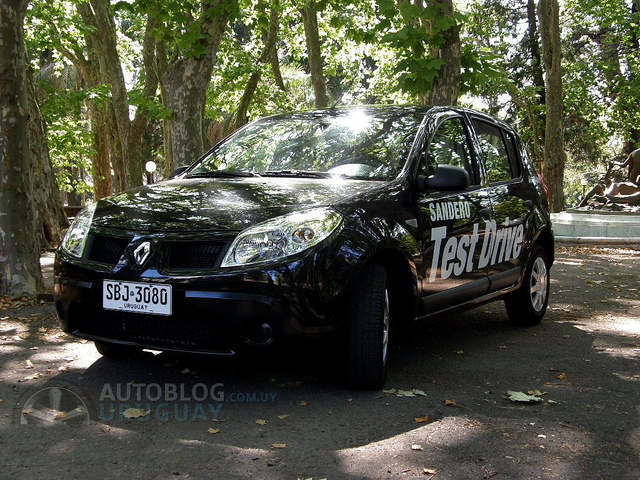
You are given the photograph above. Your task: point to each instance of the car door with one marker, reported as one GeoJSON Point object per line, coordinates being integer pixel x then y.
{"type": "Point", "coordinates": [508, 192]}
{"type": "Point", "coordinates": [453, 221]}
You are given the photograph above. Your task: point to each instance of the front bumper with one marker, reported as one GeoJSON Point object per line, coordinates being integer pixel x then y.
{"type": "Point", "coordinates": [217, 315]}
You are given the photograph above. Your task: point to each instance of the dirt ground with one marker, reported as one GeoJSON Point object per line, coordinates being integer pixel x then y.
{"type": "Point", "coordinates": [445, 413]}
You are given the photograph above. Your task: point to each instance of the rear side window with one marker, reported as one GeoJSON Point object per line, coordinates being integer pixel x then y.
{"type": "Point", "coordinates": [499, 152]}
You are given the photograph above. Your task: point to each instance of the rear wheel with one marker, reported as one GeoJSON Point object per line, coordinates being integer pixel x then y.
{"type": "Point", "coordinates": [117, 351]}
{"type": "Point", "coordinates": [527, 305]}
{"type": "Point", "coordinates": [368, 329]}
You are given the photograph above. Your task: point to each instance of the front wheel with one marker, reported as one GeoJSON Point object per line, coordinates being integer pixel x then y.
{"type": "Point", "coordinates": [368, 329]}
{"type": "Point", "coordinates": [527, 305]}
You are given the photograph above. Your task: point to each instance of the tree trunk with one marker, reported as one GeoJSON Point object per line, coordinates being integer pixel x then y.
{"type": "Point", "coordinates": [100, 160]}
{"type": "Point", "coordinates": [108, 50]}
{"type": "Point", "coordinates": [19, 250]}
{"type": "Point", "coordinates": [129, 132]}
{"type": "Point", "coordinates": [534, 50]}
{"type": "Point", "coordinates": [535, 110]}
{"type": "Point", "coordinates": [554, 155]}
{"type": "Point", "coordinates": [314, 52]}
{"type": "Point", "coordinates": [89, 67]}
{"type": "Point", "coordinates": [162, 66]}
{"type": "Point", "coordinates": [184, 85]}
{"type": "Point", "coordinates": [270, 39]}
{"type": "Point", "coordinates": [446, 86]}
{"type": "Point", "coordinates": [47, 196]}
{"type": "Point", "coordinates": [536, 142]}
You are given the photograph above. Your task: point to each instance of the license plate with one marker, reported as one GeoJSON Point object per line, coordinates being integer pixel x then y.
{"type": "Point", "coordinates": [136, 297]}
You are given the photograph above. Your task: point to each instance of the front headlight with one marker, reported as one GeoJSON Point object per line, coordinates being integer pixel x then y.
{"type": "Point", "coordinates": [282, 236]}
{"type": "Point", "coordinates": [76, 237]}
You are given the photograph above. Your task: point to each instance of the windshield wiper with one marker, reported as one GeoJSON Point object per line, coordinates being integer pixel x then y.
{"type": "Point", "coordinates": [297, 173]}
{"type": "Point", "coordinates": [221, 174]}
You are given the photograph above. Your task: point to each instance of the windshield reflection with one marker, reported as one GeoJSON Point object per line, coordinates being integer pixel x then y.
{"type": "Point", "coordinates": [365, 144]}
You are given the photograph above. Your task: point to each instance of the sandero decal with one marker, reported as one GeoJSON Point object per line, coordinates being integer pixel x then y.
{"type": "Point", "coordinates": [449, 211]}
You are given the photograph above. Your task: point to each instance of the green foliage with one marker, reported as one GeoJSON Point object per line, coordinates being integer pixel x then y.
{"type": "Point", "coordinates": [155, 109]}
{"type": "Point", "coordinates": [68, 137]}
{"type": "Point", "coordinates": [412, 33]}
{"type": "Point", "coordinates": [403, 27]}
{"type": "Point", "coordinates": [601, 46]}
{"type": "Point", "coordinates": [179, 23]}
{"type": "Point", "coordinates": [373, 52]}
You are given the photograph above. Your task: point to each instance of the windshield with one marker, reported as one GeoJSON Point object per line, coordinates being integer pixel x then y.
{"type": "Point", "coordinates": [354, 143]}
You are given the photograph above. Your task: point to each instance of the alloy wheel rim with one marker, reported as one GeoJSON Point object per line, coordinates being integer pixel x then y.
{"type": "Point", "coordinates": [539, 284]}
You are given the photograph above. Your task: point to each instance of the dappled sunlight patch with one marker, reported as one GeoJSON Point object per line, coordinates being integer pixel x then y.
{"type": "Point", "coordinates": [11, 349]}
{"type": "Point", "coordinates": [568, 262]}
{"type": "Point", "coordinates": [16, 326]}
{"type": "Point", "coordinates": [628, 376]}
{"type": "Point", "coordinates": [73, 355]}
{"type": "Point", "coordinates": [119, 433]}
{"type": "Point", "coordinates": [28, 358]}
{"type": "Point", "coordinates": [411, 452]}
{"type": "Point", "coordinates": [12, 330]}
{"type": "Point", "coordinates": [619, 325]}
{"type": "Point", "coordinates": [244, 459]}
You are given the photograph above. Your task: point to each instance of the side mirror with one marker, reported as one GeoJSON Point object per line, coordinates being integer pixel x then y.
{"type": "Point", "coordinates": [446, 177]}
{"type": "Point", "coordinates": [178, 171]}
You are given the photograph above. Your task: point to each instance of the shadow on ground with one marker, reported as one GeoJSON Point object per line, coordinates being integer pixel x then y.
{"type": "Point", "coordinates": [444, 412]}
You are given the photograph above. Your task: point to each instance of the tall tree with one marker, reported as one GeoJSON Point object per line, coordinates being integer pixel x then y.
{"type": "Point", "coordinates": [554, 154]}
{"type": "Point", "coordinates": [446, 47]}
{"type": "Point", "coordinates": [185, 69]}
{"type": "Point", "coordinates": [269, 56]}
{"type": "Point", "coordinates": [426, 38]}
{"type": "Point", "coordinates": [47, 196]}
{"type": "Point", "coordinates": [533, 43]}
{"type": "Point", "coordinates": [309, 15]}
{"type": "Point", "coordinates": [19, 249]}
{"type": "Point", "coordinates": [129, 131]}
{"type": "Point", "coordinates": [87, 63]}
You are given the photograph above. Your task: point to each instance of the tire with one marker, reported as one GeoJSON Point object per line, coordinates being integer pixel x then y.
{"type": "Point", "coordinates": [527, 305]}
{"type": "Point", "coordinates": [368, 314]}
{"type": "Point", "coordinates": [117, 351]}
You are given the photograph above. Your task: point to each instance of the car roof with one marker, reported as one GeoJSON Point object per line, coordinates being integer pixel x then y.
{"type": "Point", "coordinates": [397, 109]}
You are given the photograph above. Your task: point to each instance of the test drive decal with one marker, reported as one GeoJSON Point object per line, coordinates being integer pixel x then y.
{"type": "Point", "coordinates": [455, 255]}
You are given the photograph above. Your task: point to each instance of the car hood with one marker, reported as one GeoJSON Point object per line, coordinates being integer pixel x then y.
{"type": "Point", "coordinates": [219, 204]}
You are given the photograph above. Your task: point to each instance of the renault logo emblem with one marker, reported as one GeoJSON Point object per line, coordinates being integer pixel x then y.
{"type": "Point", "coordinates": [142, 252]}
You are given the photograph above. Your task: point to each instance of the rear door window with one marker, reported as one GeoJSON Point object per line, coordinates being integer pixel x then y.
{"type": "Point", "coordinates": [498, 150]}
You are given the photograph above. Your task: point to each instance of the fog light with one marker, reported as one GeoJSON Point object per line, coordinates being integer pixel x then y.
{"type": "Point", "coordinates": [259, 335]}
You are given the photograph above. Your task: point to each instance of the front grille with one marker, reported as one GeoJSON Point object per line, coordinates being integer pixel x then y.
{"type": "Point", "coordinates": [107, 250]}
{"type": "Point", "coordinates": [194, 255]}
{"type": "Point", "coordinates": [201, 331]}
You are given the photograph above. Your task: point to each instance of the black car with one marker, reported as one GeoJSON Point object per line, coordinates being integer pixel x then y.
{"type": "Point", "coordinates": [347, 223]}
